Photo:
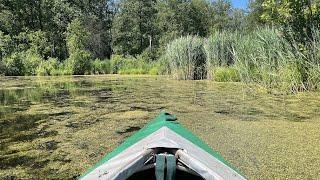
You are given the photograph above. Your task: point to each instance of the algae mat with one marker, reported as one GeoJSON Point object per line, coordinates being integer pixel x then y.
{"type": "Point", "coordinates": [57, 127]}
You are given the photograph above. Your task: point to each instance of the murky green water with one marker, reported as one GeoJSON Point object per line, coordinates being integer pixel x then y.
{"type": "Point", "coordinates": [57, 127]}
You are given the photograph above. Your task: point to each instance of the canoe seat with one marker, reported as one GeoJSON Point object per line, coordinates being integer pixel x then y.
{"type": "Point", "coordinates": [165, 163]}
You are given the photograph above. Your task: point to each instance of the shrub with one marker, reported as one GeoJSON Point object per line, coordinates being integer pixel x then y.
{"type": "Point", "coordinates": [226, 74]}
{"type": "Point", "coordinates": [31, 62]}
{"type": "Point", "coordinates": [186, 57]}
{"type": "Point", "coordinates": [129, 65]}
{"type": "Point", "coordinates": [2, 68]}
{"type": "Point", "coordinates": [14, 65]}
{"type": "Point", "coordinates": [100, 66]}
{"type": "Point", "coordinates": [79, 63]}
{"type": "Point", "coordinates": [49, 67]}
{"type": "Point", "coordinates": [163, 66]}
{"type": "Point", "coordinates": [154, 71]}
{"type": "Point", "coordinates": [116, 63]}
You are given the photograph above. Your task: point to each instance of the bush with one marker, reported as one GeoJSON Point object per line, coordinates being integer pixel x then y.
{"type": "Point", "coordinates": [79, 63]}
{"type": "Point", "coordinates": [129, 65]}
{"type": "Point", "coordinates": [49, 67]}
{"type": "Point", "coordinates": [187, 58]}
{"type": "Point", "coordinates": [116, 63]}
{"type": "Point", "coordinates": [226, 74]}
{"type": "Point", "coordinates": [32, 61]}
{"type": "Point", "coordinates": [2, 68]}
{"type": "Point", "coordinates": [14, 65]}
{"type": "Point", "coordinates": [101, 66]}
{"type": "Point", "coordinates": [163, 66]}
{"type": "Point", "coordinates": [154, 71]}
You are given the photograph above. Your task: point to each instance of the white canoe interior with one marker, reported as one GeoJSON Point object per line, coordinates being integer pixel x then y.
{"type": "Point", "coordinates": [139, 161]}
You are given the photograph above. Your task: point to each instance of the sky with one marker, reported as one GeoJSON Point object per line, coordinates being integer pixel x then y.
{"type": "Point", "coordinates": [243, 4]}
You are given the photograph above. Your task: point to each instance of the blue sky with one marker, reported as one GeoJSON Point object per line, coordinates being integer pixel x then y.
{"type": "Point", "coordinates": [243, 4]}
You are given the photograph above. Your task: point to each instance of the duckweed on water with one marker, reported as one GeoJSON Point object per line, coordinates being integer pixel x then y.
{"type": "Point", "coordinates": [57, 127]}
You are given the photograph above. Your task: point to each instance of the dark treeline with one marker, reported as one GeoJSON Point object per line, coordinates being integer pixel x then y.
{"type": "Point", "coordinates": [33, 31]}
{"type": "Point", "coordinates": [57, 37]}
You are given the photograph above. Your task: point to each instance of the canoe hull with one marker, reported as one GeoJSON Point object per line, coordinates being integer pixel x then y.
{"type": "Point", "coordinates": [163, 134]}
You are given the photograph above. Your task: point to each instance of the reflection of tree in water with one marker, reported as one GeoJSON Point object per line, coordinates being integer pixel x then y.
{"type": "Point", "coordinates": [199, 91]}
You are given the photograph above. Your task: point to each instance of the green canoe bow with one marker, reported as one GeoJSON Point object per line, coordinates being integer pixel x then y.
{"type": "Point", "coordinates": [174, 131]}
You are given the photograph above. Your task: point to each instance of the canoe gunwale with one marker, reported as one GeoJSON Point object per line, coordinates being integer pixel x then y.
{"type": "Point", "coordinates": [164, 134]}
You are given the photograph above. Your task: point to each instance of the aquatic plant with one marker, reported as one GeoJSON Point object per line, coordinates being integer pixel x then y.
{"type": "Point", "coordinates": [187, 58]}
{"type": "Point", "coordinates": [218, 48]}
{"type": "Point", "coordinates": [226, 74]}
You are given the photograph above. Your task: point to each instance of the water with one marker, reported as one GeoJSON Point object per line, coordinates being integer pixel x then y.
{"type": "Point", "coordinates": [57, 127]}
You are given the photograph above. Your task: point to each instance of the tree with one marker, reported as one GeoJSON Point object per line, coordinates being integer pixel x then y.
{"type": "Point", "coordinates": [134, 27]}
{"type": "Point", "coordinates": [221, 14]}
{"type": "Point", "coordinates": [238, 20]}
{"type": "Point", "coordinates": [299, 17]}
{"type": "Point", "coordinates": [77, 42]}
{"type": "Point", "coordinates": [177, 18]}
{"type": "Point", "coordinates": [255, 13]}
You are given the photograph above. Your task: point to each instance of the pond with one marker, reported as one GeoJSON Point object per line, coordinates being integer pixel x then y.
{"type": "Point", "coordinates": [57, 127]}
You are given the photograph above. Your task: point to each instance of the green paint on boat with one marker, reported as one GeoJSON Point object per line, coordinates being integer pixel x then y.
{"type": "Point", "coordinates": [164, 119]}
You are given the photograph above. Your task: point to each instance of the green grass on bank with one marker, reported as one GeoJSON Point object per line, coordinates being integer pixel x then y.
{"type": "Point", "coordinates": [263, 57]}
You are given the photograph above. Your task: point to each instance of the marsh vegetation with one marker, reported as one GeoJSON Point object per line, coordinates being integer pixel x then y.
{"type": "Point", "coordinates": [245, 80]}
{"type": "Point", "coordinates": [272, 43]}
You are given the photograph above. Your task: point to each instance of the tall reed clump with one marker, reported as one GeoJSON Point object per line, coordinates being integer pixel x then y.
{"type": "Point", "coordinates": [313, 72]}
{"type": "Point", "coordinates": [219, 54]}
{"type": "Point", "coordinates": [186, 57]}
{"type": "Point", "coordinates": [264, 57]}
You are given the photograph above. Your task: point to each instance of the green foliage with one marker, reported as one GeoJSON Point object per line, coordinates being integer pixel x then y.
{"type": "Point", "coordinates": [77, 36]}
{"type": "Point", "coordinates": [131, 65]}
{"type": "Point", "coordinates": [79, 63]}
{"type": "Point", "coordinates": [291, 77]}
{"type": "Point", "coordinates": [2, 68]}
{"type": "Point", "coordinates": [39, 43]}
{"type": "Point", "coordinates": [226, 74]}
{"type": "Point", "coordinates": [219, 49]}
{"type": "Point", "coordinates": [6, 45]}
{"type": "Point", "coordinates": [31, 63]}
{"type": "Point", "coordinates": [154, 71]}
{"type": "Point", "coordinates": [314, 77]}
{"type": "Point", "coordinates": [116, 63]}
{"type": "Point", "coordinates": [181, 18]}
{"type": "Point", "coordinates": [221, 16]}
{"type": "Point", "coordinates": [263, 57]}
{"type": "Point", "coordinates": [14, 65]}
{"type": "Point", "coordinates": [187, 58]}
{"type": "Point", "coordinates": [49, 67]}
{"type": "Point", "coordinates": [101, 66]}
{"type": "Point", "coordinates": [257, 53]}
{"type": "Point", "coordinates": [296, 17]}
{"type": "Point", "coordinates": [134, 27]}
